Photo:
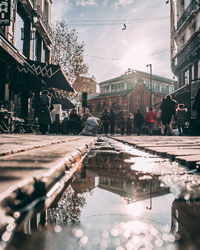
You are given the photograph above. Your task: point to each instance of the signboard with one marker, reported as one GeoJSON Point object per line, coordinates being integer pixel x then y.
{"type": "Point", "coordinates": [5, 7]}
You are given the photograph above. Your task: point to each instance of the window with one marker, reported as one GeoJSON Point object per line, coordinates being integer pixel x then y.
{"type": "Point", "coordinates": [33, 44]}
{"type": "Point", "coordinates": [46, 10]}
{"type": "Point", "coordinates": [198, 69]}
{"type": "Point", "coordinates": [194, 26]}
{"type": "Point", "coordinates": [186, 74]}
{"type": "Point", "coordinates": [19, 33]}
{"type": "Point", "coordinates": [182, 6]}
{"type": "Point", "coordinates": [129, 85]}
{"type": "Point", "coordinates": [182, 39]}
{"type": "Point", "coordinates": [45, 54]}
{"type": "Point", "coordinates": [171, 89]}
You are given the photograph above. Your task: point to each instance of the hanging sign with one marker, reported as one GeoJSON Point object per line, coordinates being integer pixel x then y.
{"type": "Point", "coordinates": [5, 12]}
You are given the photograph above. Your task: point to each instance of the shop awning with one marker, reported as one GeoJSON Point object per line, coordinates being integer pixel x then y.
{"type": "Point", "coordinates": [66, 104]}
{"type": "Point", "coordinates": [52, 75]}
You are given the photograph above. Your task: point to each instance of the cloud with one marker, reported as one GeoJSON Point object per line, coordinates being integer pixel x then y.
{"type": "Point", "coordinates": [84, 3]}
{"type": "Point", "coordinates": [145, 40]}
{"type": "Point", "coordinates": [60, 9]}
{"type": "Point", "coordinates": [123, 3]}
{"type": "Point", "coordinates": [105, 2]}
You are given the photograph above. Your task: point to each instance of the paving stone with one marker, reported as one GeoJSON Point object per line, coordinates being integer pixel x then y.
{"type": "Point", "coordinates": [185, 149]}
{"type": "Point", "coordinates": [44, 156]}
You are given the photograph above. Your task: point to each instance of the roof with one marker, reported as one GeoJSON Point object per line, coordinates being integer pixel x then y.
{"type": "Point", "coordinates": [112, 94]}
{"type": "Point", "coordinates": [136, 73]}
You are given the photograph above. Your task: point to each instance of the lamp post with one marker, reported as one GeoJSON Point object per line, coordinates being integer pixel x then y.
{"type": "Point", "coordinates": [150, 65]}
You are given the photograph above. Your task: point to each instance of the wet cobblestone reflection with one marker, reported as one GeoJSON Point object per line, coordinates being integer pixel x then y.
{"type": "Point", "coordinates": [121, 199]}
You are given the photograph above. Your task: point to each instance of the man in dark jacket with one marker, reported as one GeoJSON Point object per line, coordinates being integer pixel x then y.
{"type": "Point", "coordinates": [112, 118]}
{"type": "Point", "coordinates": [168, 109]}
{"type": "Point", "coordinates": [138, 122]}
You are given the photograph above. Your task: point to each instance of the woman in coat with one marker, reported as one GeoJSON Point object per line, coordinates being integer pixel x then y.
{"type": "Point", "coordinates": [44, 109]}
{"type": "Point", "coordinates": [105, 118]}
{"type": "Point", "coordinates": [112, 118]}
{"type": "Point", "coordinates": [181, 116]}
{"type": "Point", "coordinates": [74, 122]}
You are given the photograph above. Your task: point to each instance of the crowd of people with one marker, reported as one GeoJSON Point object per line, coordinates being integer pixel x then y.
{"type": "Point", "coordinates": [170, 118]}
{"type": "Point", "coordinates": [169, 112]}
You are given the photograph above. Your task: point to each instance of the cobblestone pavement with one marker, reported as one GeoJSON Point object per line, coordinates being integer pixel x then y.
{"type": "Point", "coordinates": [184, 149]}
{"type": "Point", "coordinates": [24, 157]}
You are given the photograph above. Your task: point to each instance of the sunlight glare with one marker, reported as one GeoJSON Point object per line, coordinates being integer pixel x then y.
{"type": "Point", "coordinates": [136, 56]}
{"type": "Point", "coordinates": [135, 209]}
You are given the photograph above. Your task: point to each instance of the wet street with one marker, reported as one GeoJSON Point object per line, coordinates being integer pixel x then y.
{"type": "Point", "coordinates": [121, 198]}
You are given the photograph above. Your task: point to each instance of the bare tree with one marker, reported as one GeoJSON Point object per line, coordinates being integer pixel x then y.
{"type": "Point", "coordinates": [67, 51]}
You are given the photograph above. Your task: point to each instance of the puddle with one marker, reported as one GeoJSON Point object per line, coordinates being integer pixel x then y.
{"type": "Point", "coordinates": [121, 199]}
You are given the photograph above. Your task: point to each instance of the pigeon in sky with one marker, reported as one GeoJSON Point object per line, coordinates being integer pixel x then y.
{"type": "Point", "coordinates": [124, 27]}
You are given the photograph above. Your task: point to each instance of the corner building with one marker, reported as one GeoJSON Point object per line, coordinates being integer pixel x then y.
{"type": "Point", "coordinates": [129, 92]}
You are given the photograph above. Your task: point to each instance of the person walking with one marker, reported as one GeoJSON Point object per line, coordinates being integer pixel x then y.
{"type": "Point", "coordinates": [168, 109]}
{"type": "Point", "coordinates": [74, 122]}
{"type": "Point", "coordinates": [44, 108]}
{"type": "Point", "coordinates": [181, 117]}
{"type": "Point", "coordinates": [112, 118]}
{"type": "Point", "coordinates": [150, 118]}
{"type": "Point", "coordinates": [122, 125]}
{"type": "Point", "coordinates": [85, 116]}
{"type": "Point", "coordinates": [128, 126]}
{"type": "Point", "coordinates": [138, 122]}
{"type": "Point", "coordinates": [105, 120]}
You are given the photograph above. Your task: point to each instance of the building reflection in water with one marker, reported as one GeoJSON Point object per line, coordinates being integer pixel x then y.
{"type": "Point", "coordinates": [116, 176]}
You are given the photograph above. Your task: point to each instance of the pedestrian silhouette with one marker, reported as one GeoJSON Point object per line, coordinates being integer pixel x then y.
{"type": "Point", "coordinates": [167, 111]}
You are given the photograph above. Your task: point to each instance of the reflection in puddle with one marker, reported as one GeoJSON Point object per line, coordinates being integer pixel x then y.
{"type": "Point", "coordinates": [111, 205]}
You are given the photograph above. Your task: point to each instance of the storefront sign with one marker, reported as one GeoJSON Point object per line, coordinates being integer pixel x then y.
{"type": "Point", "coordinates": [5, 12]}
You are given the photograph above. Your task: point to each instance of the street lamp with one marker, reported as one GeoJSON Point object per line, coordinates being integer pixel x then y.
{"type": "Point", "coordinates": [150, 65]}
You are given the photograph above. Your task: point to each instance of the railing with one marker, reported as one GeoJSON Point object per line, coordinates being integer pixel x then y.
{"type": "Point", "coordinates": [192, 7]}
{"type": "Point", "coordinates": [184, 53]}
{"type": "Point", "coordinates": [43, 18]}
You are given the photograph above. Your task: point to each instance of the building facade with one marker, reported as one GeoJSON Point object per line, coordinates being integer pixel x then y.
{"type": "Point", "coordinates": [85, 84]}
{"type": "Point", "coordinates": [185, 48]}
{"type": "Point", "coordinates": [129, 92]}
{"type": "Point", "coordinates": [25, 55]}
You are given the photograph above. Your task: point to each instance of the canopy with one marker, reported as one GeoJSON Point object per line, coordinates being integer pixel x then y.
{"type": "Point", "coordinates": [52, 75]}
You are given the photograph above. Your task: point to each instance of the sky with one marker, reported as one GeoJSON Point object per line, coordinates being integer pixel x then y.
{"type": "Point", "coordinates": [110, 50]}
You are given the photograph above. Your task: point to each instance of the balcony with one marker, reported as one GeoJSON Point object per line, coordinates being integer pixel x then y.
{"type": "Point", "coordinates": [186, 52]}
{"type": "Point", "coordinates": [39, 17]}
{"type": "Point", "coordinates": [42, 23]}
{"type": "Point", "coordinates": [193, 6]}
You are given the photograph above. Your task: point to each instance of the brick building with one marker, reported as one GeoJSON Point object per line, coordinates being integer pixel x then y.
{"type": "Point", "coordinates": [85, 84]}
{"type": "Point", "coordinates": [130, 91]}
